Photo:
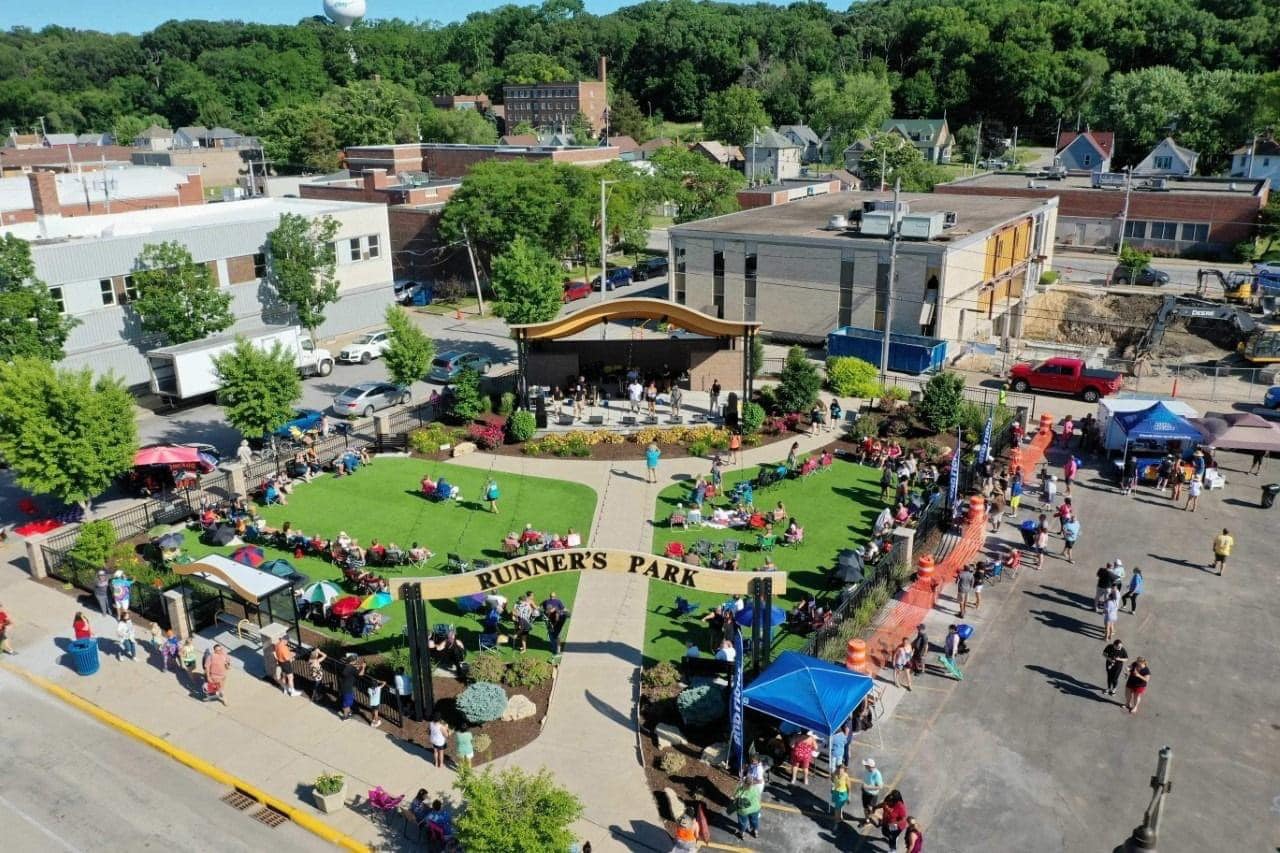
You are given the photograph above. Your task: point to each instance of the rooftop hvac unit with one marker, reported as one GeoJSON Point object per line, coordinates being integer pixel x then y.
{"type": "Point", "coordinates": [877, 223]}
{"type": "Point", "coordinates": [923, 226]}
{"type": "Point", "coordinates": [884, 204]}
{"type": "Point", "coordinates": [837, 223]}
{"type": "Point", "coordinates": [1109, 180]}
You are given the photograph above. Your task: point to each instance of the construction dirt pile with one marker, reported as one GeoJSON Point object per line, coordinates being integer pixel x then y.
{"type": "Point", "coordinates": [1117, 322]}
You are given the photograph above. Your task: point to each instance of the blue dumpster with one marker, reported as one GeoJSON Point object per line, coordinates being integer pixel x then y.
{"type": "Point", "coordinates": [907, 353]}
{"type": "Point", "coordinates": [84, 656]}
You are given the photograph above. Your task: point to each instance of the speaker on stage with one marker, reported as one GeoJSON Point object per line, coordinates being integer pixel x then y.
{"type": "Point", "coordinates": [731, 411]}
{"type": "Point", "coordinates": [540, 411]}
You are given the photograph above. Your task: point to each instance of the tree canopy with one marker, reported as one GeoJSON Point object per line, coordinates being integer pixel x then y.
{"type": "Point", "coordinates": [31, 324]}
{"type": "Point", "coordinates": [302, 267]}
{"type": "Point", "coordinates": [513, 809]}
{"type": "Point", "coordinates": [734, 114]}
{"type": "Point", "coordinates": [409, 354]}
{"type": "Point", "coordinates": [527, 282]}
{"type": "Point", "coordinates": [258, 387]}
{"type": "Point", "coordinates": [178, 299]}
{"type": "Point", "coordinates": [697, 187]}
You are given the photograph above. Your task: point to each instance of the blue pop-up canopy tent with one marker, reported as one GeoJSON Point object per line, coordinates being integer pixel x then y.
{"type": "Point", "coordinates": [1157, 423]}
{"type": "Point", "coordinates": [810, 693]}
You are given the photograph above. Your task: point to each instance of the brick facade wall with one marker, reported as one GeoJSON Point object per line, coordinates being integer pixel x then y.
{"type": "Point", "coordinates": [188, 193]}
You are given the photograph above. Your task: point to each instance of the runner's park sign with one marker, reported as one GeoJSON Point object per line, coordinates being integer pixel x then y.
{"type": "Point", "coordinates": [589, 560]}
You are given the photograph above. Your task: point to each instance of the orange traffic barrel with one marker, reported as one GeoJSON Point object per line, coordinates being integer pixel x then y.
{"type": "Point", "coordinates": [1046, 422]}
{"type": "Point", "coordinates": [977, 507]}
{"type": "Point", "coordinates": [1015, 458]}
{"type": "Point", "coordinates": [855, 657]}
{"type": "Point", "coordinates": [925, 567]}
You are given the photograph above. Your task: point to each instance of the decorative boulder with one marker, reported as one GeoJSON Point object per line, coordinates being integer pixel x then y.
{"type": "Point", "coordinates": [668, 735]}
{"type": "Point", "coordinates": [462, 448]}
{"type": "Point", "coordinates": [716, 755]}
{"type": "Point", "coordinates": [672, 802]}
{"type": "Point", "coordinates": [518, 708]}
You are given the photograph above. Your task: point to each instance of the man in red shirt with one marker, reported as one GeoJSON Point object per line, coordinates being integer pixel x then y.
{"type": "Point", "coordinates": [4, 632]}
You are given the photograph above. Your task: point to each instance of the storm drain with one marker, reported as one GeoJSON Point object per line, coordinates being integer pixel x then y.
{"type": "Point", "coordinates": [269, 816]}
{"type": "Point", "coordinates": [238, 801]}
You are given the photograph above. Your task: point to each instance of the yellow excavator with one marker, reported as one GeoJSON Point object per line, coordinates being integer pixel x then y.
{"type": "Point", "coordinates": [1238, 288]}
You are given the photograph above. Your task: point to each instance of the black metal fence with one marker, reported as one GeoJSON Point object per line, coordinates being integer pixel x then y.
{"type": "Point", "coordinates": [391, 708]}
{"type": "Point", "coordinates": [144, 599]}
{"type": "Point", "coordinates": [128, 522]}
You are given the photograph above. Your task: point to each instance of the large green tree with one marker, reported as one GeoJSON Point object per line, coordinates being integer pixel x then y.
{"type": "Point", "coordinates": [849, 105]}
{"type": "Point", "coordinates": [64, 433]}
{"type": "Point", "coordinates": [258, 387]}
{"type": "Point", "coordinates": [697, 187]}
{"type": "Point", "coordinates": [627, 119]}
{"type": "Point", "coordinates": [302, 266]}
{"type": "Point", "coordinates": [514, 809]}
{"type": "Point", "coordinates": [409, 354]}
{"type": "Point", "coordinates": [459, 127]}
{"type": "Point", "coordinates": [733, 115]}
{"type": "Point", "coordinates": [900, 161]}
{"type": "Point", "coordinates": [528, 283]}
{"type": "Point", "coordinates": [178, 298]}
{"type": "Point", "coordinates": [31, 323]}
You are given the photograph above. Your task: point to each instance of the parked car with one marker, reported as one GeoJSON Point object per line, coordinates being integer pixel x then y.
{"type": "Point", "coordinates": [413, 293]}
{"type": "Point", "coordinates": [649, 268]}
{"type": "Point", "coordinates": [303, 419]}
{"type": "Point", "coordinates": [618, 277]}
{"type": "Point", "coordinates": [366, 348]}
{"type": "Point", "coordinates": [367, 398]}
{"type": "Point", "coordinates": [448, 365]}
{"type": "Point", "coordinates": [1065, 376]}
{"type": "Point", "coordinates": [575, 290]}
{"type": "Point", "coordinates": [1271, 399]}
{"type": "Point", "coordinates": [1147, 276]}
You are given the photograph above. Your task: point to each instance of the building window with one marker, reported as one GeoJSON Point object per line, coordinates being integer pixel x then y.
{"type": "Point", "coordinates": [1087, 160]}
{"type": "Point", "coordinates": [1135, 229]}
{"type": "Point", "coordinates": [749, 287]}
{"type": "Point", "coordinates": [260, 265]}
{"type": "Point", "coordinates": [1164, 231]}
{"type": "Point", "coordinates": [845, 313]}
{"type": "Point", "coordinates": [108, 289]}
{"type": "Point", "coordinates": [56, 293]}
{"type": "Point", "coordinates": [130, 289]}
{"type": "Point", "coordinates": [717, 283]}
{"type": "Point", "coordinates": [1165, 163]}
{"type": "Point", "coordinates": [374, 249]}
{"type": "Point", "coordinates": [1196, 232]}
{"type": "Point", "coordinates": [679, 277]}
{"type": "Point", "coordinates": [354, 243]}
{"type": "Point", "coordinates": [882, 294]}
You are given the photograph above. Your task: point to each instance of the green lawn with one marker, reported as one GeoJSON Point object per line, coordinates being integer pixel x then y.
{"type": "Point", "coordinates": [382, 501]}
{"type": "Point", "coordinates": [837, 509]}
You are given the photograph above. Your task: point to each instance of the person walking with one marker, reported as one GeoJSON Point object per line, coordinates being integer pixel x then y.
{"type": "Point", "coordinates": [187, 657]}
{"type": "Point", "coordinates": [1110, 612]}
{"type": "Point", "coordinates": [1106, 578]}
{"type": "Point", "coordinates": [121, 587]}
{"type": "Point", "coordinates": [746, 805]}
{"type": "Point", "coordinates": [1070, 535]}
{"type": "Point", "coordinates": [839, 747]}
{"type": "Point", "coordinates": [1135, 589]}
{"type": "Point", "coordinates": [1136, 686]}
{"type": "Point", "coordinates": [284, 666]}
{"type": "Point", "coordinates": [893, 818]}
{"type": "Point", "coordinates": [102, 591]}
{"type": "Point", "coordinates": [902, 664]}
{"type": "Point", "coordinates": [438, 734]}
{"type": "Point", "coordinates": [1069, 470]}
{"type": "Point", "coordinates": [651, 456]}
{"type": "Point", "coordinates": [995, 509]}
{"type": "Point", "coordinates": [839, 794]}
{"type": "Point", "coordinates": [5, 622]}
{"type": "Point", "coordinates": [1015, 495]}
{"type": "Point", "coordinates": [1065, 512]}
{"type": "Point", "coordinates": [315, 672]}
{"type": "Point", "coordinates": [803, 749]}
{"type": "Point", "coordinates": [964, 584]}
{"type": "Point", "coordinates": [555, 614]}
{"type": "Point", "coordinates": [80, 627]}
{"type": "Point", "coordinates": [128, 641]}
{"type": "Point", "coordinates": [1176, 481]}
{"type": "Point", "coordinates": [1222, 544]}
{"type": "Point", "coordinates": [491, 494]}
{"type": "Point", "coordinates": [872, 782]}
{"type": "Point", "coordinates": [347, 685]}
{"type": "Point", "coordinates": [216, 671]}
{"type": "Point", "coordinates": [913, 838]}
{"type": "Point", "coordinates": [464, 747]}
{"type": "Point", "coordinates": [951, 649]}
{"type": "Point", "coordinates": [919, 648]}
{"type": "Point", "coordinates": [1193, 494]}
{"type": "Point", "coordinates": [1041, 540]}
{"type": "Point", "coordinates": [1129, 479]}
{"type": "Point", "coordinates": [714, 409]}
{"type": "Point", "coordinates": [735, 447]}
{"type": "Point", "coordinates": [1116, 657]}
{"type": "Point", "coordinates": [980, 575]}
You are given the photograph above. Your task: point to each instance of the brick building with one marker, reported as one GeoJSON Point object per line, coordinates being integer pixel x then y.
{"type": "Point", "coordinates": [771, 194]}
{"type": "Point", "coordinates": [441, 160]}
{"type": "Point", "coordinates": [62, 158]}
{"type": "Point", "coordinates": [112, 190]}
{"type": "Point", "coordinates": [551, 105]}
{"type": "Point", "coordinates": [1168, 216]}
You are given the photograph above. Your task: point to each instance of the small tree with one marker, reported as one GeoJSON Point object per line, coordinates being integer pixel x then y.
{"type": "Point", "coordinates": [259, 388]}
{"type": "Point", "coordinates": [302, 265]}
{"type": "Point", "coordinates": [941, 400]}
{"type": "Point", "coordinates": [64, 433]}
{"type": "Point", "coordinates": [468, 403]}
{"type": "Point", "coordinates": [177, 297]}
{"type": "Point", "coordinates": [515, 810]}
{"type": "Point", "coordinates": [1134, 260]}
{"type": "Point", "coordinates": [852, 377]}
{"type": "Point", "coordinates": [527, 281]}
{"type": "Point", "coordinates": [95, 543]}
{"type": "Point", "coordinates": [798, 383]}
{"type": "Point", "coordinates": [410, 351]}
{"type": "Point", "coordinates": [31, 324]}
{"type": "Point", "coordinates": [757, 355]}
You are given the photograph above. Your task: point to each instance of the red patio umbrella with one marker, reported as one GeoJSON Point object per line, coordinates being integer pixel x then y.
{"type": "Point", "coordinates": [249, 555]}
{"type": "Point", "coordinates": [167, 454]}
{"type": "Point", "coordinates": [345, 606]}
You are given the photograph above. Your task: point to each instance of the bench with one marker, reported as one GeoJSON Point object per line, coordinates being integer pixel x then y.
{"type": "Point", "coordinates": [242, 627]}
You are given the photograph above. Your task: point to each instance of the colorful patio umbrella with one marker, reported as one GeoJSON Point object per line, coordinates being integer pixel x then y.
{"type": "Point", "coordinates": [748, 614]}
{"type": "Point", "coordinates": [345, 606]}
{"type": "Point", "coordinates": [322, 592]}
{"type": "Point", "coordinates": [249, 555]}
{"type": "Point", "coordinates": [377, 601]}
{"type": "Point", "coordinates": [167, 454]}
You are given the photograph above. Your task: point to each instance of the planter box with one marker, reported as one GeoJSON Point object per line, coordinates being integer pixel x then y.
{"type": "Point", "coordinates": [329, 803]}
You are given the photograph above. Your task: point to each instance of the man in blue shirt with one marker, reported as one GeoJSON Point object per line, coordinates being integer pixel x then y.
{"type": "Point", "coordinates": [1135, 590]}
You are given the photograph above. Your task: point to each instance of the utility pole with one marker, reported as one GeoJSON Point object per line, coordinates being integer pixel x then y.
{"type": "Point", "coordinates": [1124, 215]}
{"type": "Point", "coordinates": [977, 147]}
{"type": "Point", "coordinates": [1146, 836]}
{"type": "Point", "coordinates": [1253, 155]}
{"type": "Point", "coordinates": [881, 170]}
{"type": "Point", "coordinates": [1015, 145]}
{"type": "Point", "coordinates": [896, 226]}
{"type": "Point", "coordinates": [475, 276]}
{"type": "Point", "coordinates": [43, 133]}
{"type": "Point", "coordinates": [604, 243]}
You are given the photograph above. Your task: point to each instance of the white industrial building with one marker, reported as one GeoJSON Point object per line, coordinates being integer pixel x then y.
{"type": "Point", "coordinates": [88, 261]}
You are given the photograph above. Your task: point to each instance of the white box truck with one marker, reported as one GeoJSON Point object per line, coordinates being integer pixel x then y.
{"type": "Point", "coordinates": [185, 371]}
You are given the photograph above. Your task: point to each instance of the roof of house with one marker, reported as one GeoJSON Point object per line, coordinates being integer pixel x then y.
{"type": "Point", "coordinates": [156, 132]}
{"type": "Point", "coordinates": [654, 144]}
{"type": "Point", "coordinates": [194, 131]}
{"type": "Point", "coordinates": [225, 133]}
{"type": "Point", "coordinates": [94, 139]}
{"type": "Point", "coordinates": [1264, 146]}
{"type": "Point", "coordinates": [924, 130]}
{"type": "Point", "coordinates": [58, 156]}
{"type": "Point", "coordinates": [770, 138]}
{"type": "Point", "coordinates": [1103, 140]}
{"type": "Point", "coordinates": [718, 151]}
{"type": "Point", "coordinates": [847, 178]}
{"type": "Point", "coordinates": [802, 132]}
{"type": "Point", "coordinates": [59, 139]}
{"type": "Point", "coordinates": [1186, 154]}
{"type": "Point", "coordinates": [858, 145]}
{"type": "Point", "coordinates": [25, 138]}
{"type": "Point", "coordinates": [625, 144]}
{"type": "Point", "coordinates": [518, 139]}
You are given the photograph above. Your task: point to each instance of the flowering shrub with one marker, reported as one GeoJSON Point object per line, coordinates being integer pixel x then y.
{"type": "Point", "coordinates": [487, 436]}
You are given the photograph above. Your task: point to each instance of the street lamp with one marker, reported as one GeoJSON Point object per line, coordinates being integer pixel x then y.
{"type": "Point", "coordinates": [604, 240]}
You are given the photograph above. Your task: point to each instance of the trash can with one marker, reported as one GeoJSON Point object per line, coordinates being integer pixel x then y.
{"type": "Point", "coordinates": [1269, 493]}
{"type": "Point", "coordinates": [1029, 529]}
{"type": "Point", "coordinates": [84, 656]}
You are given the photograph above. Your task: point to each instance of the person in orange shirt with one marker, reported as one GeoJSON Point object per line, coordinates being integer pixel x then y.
{"type": "Point", "coordinates": [284, 667]}
{"type": "Point", "coordinates": [735, 446]}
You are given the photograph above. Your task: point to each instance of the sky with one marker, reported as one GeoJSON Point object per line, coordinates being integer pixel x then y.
{"type": "Point", "coordinates": [134, 17]}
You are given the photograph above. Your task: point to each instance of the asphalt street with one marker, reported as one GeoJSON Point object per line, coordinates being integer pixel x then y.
{"type": "Point", "coordinates": [73, 784]}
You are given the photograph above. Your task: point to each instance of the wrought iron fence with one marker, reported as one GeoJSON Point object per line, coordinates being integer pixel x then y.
{"type": "Point", "coordinates": [128, 522]}
{"type": "Point", "coordinates": [146, 600]}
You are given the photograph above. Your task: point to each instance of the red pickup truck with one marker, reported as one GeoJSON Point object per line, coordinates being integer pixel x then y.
{"type": "Point", "coordinates": [1065, 376]}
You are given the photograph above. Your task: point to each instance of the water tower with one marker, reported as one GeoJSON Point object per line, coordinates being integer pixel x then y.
{"type": "Point", "coordinates": [344, 13]}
